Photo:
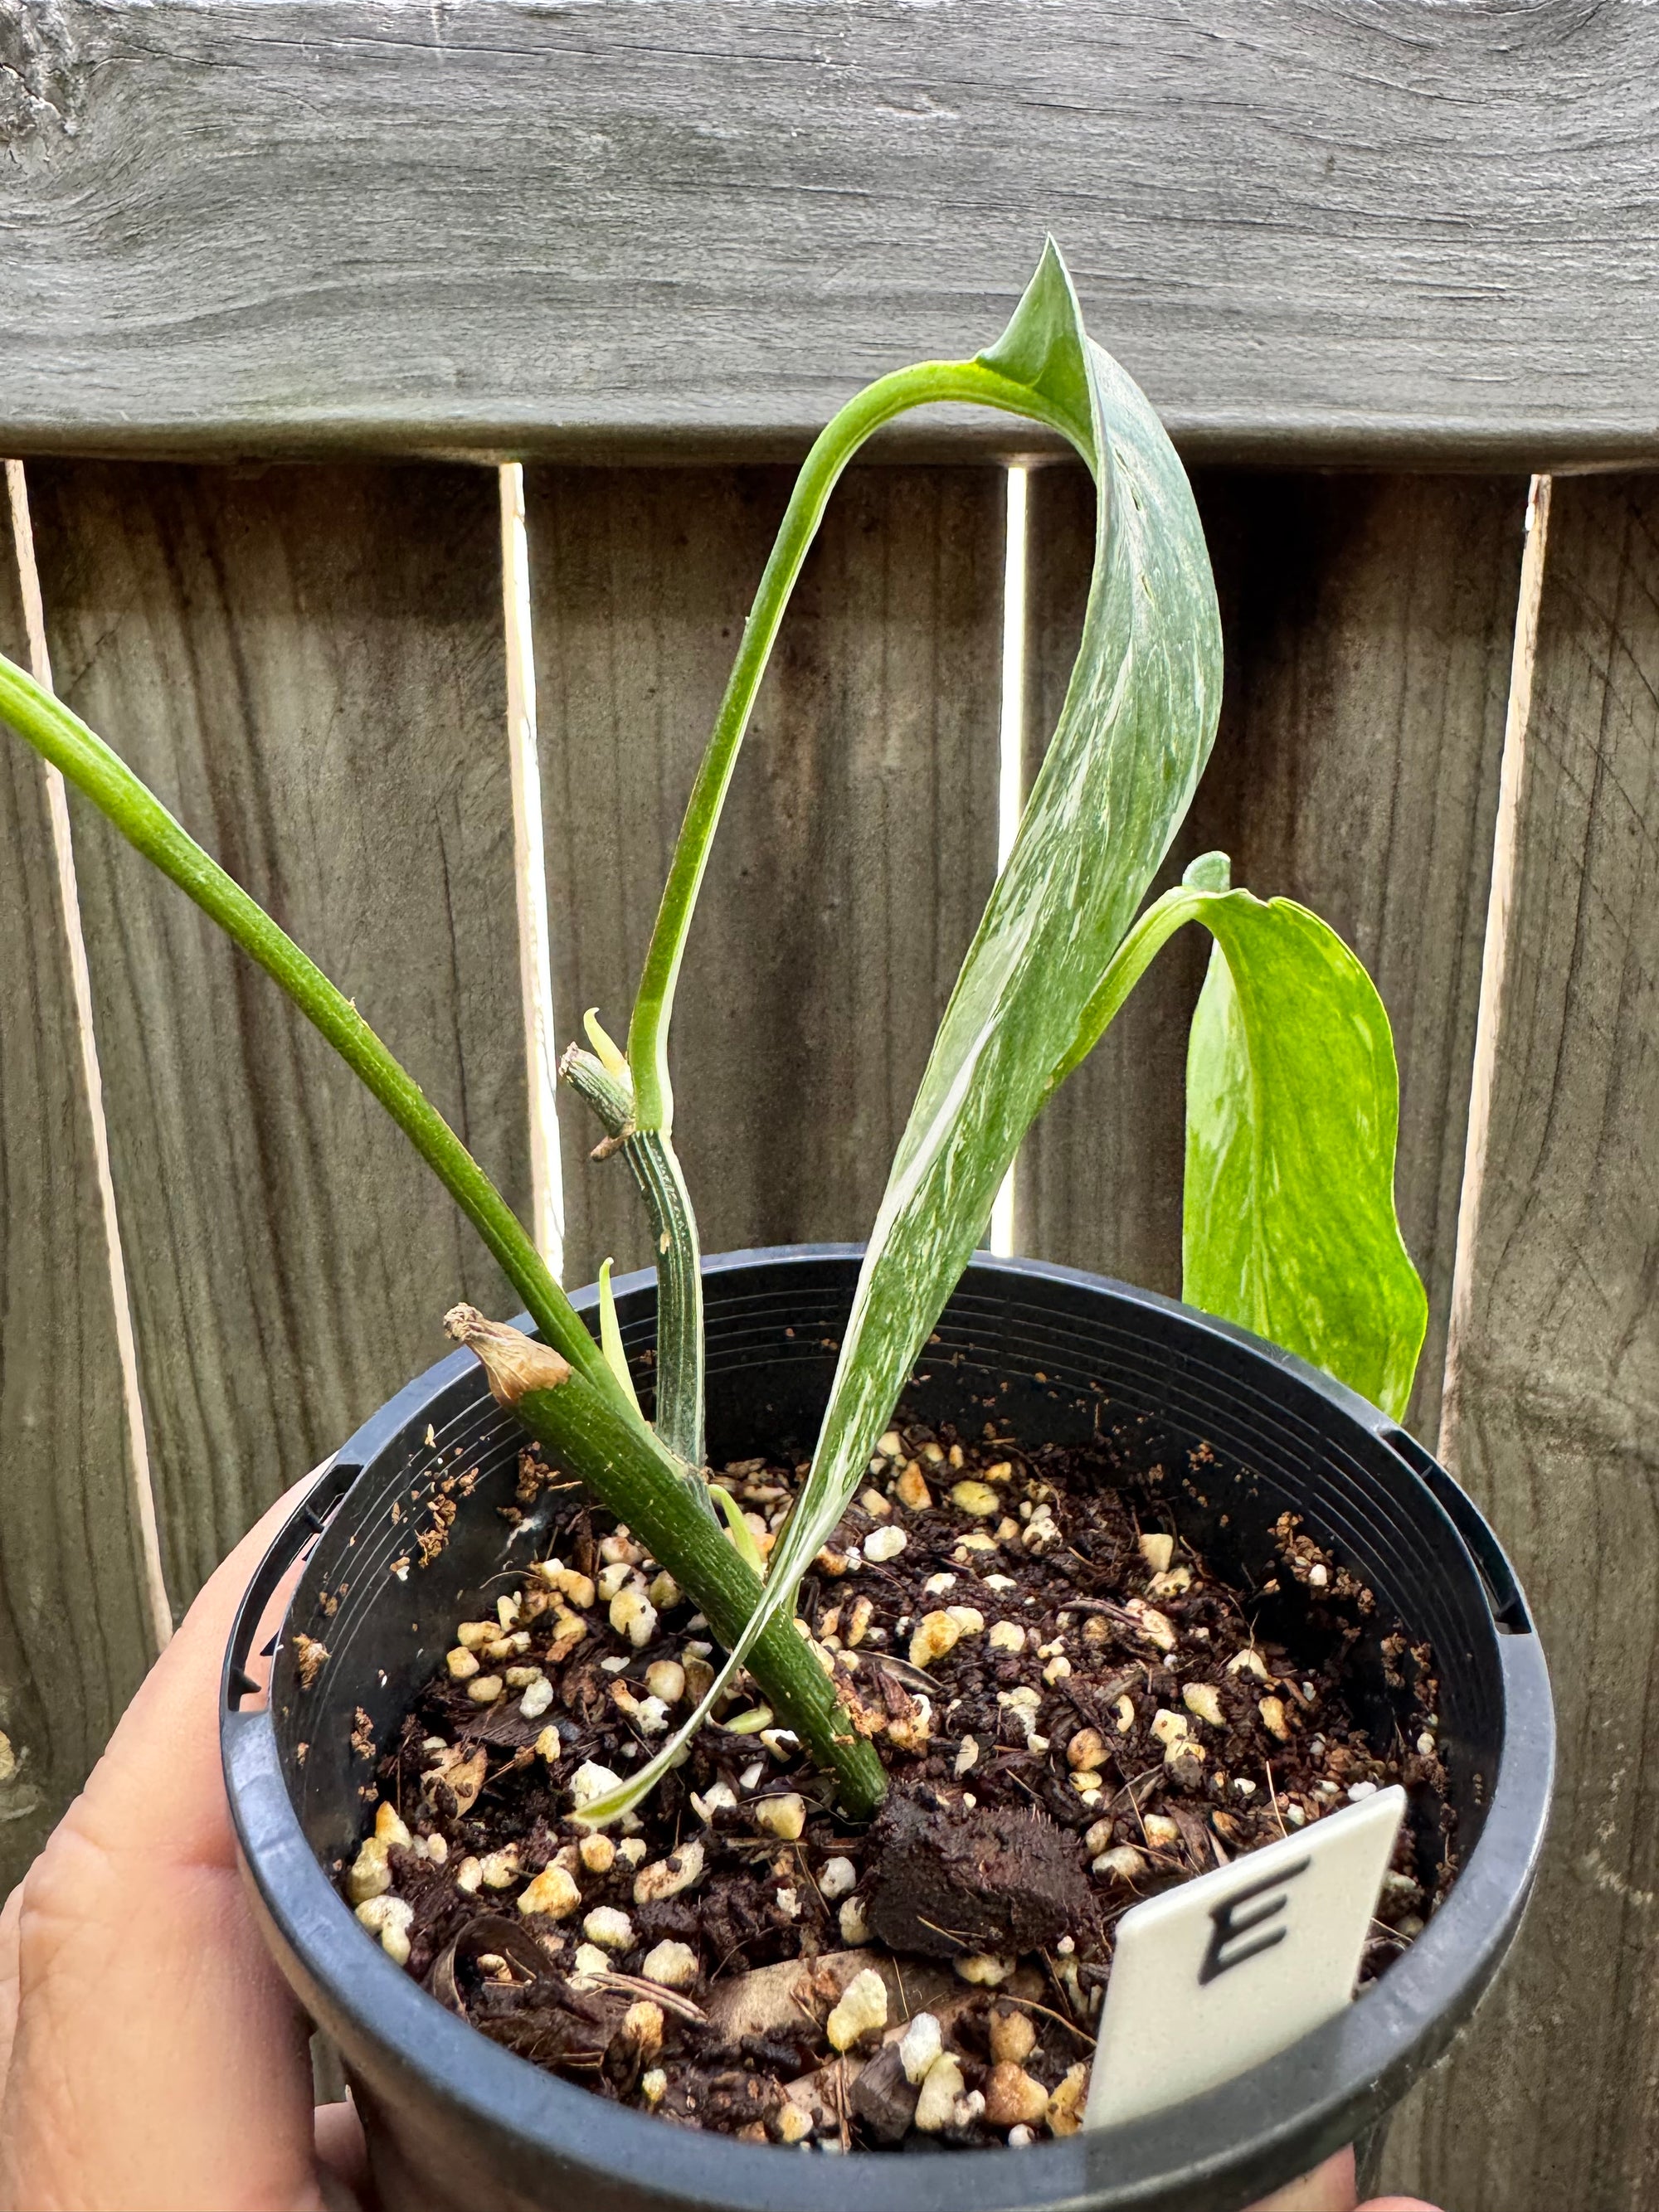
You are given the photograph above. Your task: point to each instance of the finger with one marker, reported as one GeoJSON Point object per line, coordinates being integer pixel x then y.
{"type": "Point", "coordinates": [9, 1920]}
{"type": "Point", "coordinates": [341, 2150]}
{"type": "Point", "coordinates": [159, 2058]}
{"type": "Point", "coordinates": [1396, 2204]}
{"type": "Point", "coordinates": [1330, 2189]}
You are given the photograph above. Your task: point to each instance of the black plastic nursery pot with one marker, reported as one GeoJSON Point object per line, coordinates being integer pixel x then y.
{"type": "Point", "coordinates": [454, 2121]}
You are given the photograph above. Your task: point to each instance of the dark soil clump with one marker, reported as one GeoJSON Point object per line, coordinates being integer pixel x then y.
{"type": "Point", "coordinates": [945, 1879]}
{"type": "Point", "coordinates": [1074, 1712]}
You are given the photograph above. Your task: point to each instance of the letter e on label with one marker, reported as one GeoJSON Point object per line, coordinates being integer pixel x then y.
{"type": "Point", "coordinates": [1211, 1979]}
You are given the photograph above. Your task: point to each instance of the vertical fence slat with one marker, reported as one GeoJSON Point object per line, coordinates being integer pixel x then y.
{"type": "Point", "coordinates": [1367, 625]}
{"type": "Point", "coordinates": [308, 665]}
{"type": "Point", "coordinates": [75, 1631]}
{"type": "Point", "coordinates": [1553, 1405]}
{"type": "Point", "coordinates": [858, 842]}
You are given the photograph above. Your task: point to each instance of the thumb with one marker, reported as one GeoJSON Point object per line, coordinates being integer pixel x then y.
{"type": "Point", "coordinates": [159, 2058]}
{"type": "Point", "coordinates": [1328, 2189]}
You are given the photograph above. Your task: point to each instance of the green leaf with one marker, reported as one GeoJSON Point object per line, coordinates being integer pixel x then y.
{"type": "Point", "coordinates": [1134, 733]}
{"type": "Point", "coordinates": [1293, 1111]}
{"type": "Point", "coordinates": [742, 1535]}
{"type": "Point", "coordinates": [1292, 1108]}
{"type": "Point", "coordinates": [1132, 737]}
{"type": "Point", "coordinates": [616, 1358]}
{"type": "Point", "coordinates": [1033, 370]}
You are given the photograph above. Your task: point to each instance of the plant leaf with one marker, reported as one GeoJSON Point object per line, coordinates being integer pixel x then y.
{"type": "Point", "coordinates": [1035, 370]}
{"type": "Point", "coordinates": [611, 1336]}
{"type": "Point", "coordinates": [742, 1535]}
{"type": "Point", "coordinates": [1132, 737]}
{"type": "Point", "coordinates": [1134, 733]}
{"type": "Point", "coordinates": [1289, 1226]}
{"type": "Point", "coordinates": [611, 1055]}
{"type": "Point", "coordinates": [1292, 1109]}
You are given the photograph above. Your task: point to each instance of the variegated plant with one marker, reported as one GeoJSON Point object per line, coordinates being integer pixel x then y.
{"type": "Point", "coordinates": [1291, 1093]}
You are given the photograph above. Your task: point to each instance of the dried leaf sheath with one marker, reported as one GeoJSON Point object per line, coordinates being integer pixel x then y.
{"type": "Point", "coordinates": [512, 1363]}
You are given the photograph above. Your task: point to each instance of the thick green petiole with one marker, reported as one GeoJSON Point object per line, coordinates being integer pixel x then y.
{"type": "Point", "coordinates": [582, 1430]}
{"type": "Point", "coordinates": [655, 1167]}
{"type": "Point", "coordinates": [924, 385]}
{"type": "Point", "coordinates": [589, 1423]}
{"type": "Point", "coordinates": [88, 763]}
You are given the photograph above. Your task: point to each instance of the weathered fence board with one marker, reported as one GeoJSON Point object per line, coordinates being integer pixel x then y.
{"type": "Point", "coordinates": [1553, 1405]}
{"type": "Point", "coordinates": [75, 1631]}
{"type": "Point", "coordinates": [1367, 625]}
{"type": "Point", "coordinates": [1314, 228]}
{"type": "Point", "coordinates": [308, 666]}
{"type": "Point", "coordinates": [860, 838]}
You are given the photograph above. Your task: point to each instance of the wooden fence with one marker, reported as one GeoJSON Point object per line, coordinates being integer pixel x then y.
{"type": "Point", "coordinates": [286, 282]}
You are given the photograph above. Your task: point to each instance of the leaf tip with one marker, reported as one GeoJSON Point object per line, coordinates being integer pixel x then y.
{"type": "Point", "coordinates": [610, 1340]}
{"type": "Point", "coordinates": [611, 1055]}
{"type": "Point", "coordinates": [1210, 871]}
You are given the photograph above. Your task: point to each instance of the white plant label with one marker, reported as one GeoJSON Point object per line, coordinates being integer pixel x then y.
{"type": "Point", "coordinates": [1214, 1976]}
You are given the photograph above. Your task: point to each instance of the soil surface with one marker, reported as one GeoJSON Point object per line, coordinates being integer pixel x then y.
{"type": "Point", "coordinates": [1074, 1714]}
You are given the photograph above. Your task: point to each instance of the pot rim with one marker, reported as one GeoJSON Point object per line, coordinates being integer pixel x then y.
{"type": "Point", "coordinates": [1311, 2099]}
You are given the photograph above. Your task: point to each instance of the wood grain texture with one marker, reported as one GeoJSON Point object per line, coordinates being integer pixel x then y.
{"type": "Point", "coordinates": [858, 842]}
{"type": "Point", "coordinates": [1367, 622]}
{"type": "Point", "coordinates": [1373, 230]}
{"type": "Point", "coordinates": [75, 1631]}
{"type": "Point", "coordinates": [1554, 1409]}
{"type": "Point", "coordinates": [307, 666]}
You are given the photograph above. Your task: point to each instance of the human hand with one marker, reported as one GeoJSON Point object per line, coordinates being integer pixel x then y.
{"type": "Point", "coordinates": [1331, 2189]}
{"type": "Point", "coordinates": [153, 2060]}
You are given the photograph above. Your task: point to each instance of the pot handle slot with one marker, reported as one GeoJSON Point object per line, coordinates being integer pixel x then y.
{"type": "Point", "coordinates": [302, 1528]}
{"type": "Point", "coordinates": [1509, 1608]}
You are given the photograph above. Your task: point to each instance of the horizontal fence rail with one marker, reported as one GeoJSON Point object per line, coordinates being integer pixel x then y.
{"type": "Point", "coordinates": [1367, 230]}
{"type": "Point", "coordinates": [314, 665]}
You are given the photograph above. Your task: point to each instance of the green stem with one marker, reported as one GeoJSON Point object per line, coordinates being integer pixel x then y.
{"type": "Point", "coordinates": [583, 1430]}
{"type": "Point", "coordinates": [587, 1421]}
{"type": "Point", "coordinates": [88, 763]}
{"type": "Point", "coordinates": [656, 1170]}
{"type": "Point", "coordinates": [612, 1100]}
{"type": "Point", "coordinates": [688, 1541]}
{"type": "Point", "coordinates": [926, 383]}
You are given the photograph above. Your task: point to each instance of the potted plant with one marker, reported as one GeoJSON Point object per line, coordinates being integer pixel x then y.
{"type": "Point", "coordinates": [415, 1602]}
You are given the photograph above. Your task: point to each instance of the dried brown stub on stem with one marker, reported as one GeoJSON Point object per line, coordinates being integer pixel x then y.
{"type": "Point", "coordinates": [514, 1364]}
